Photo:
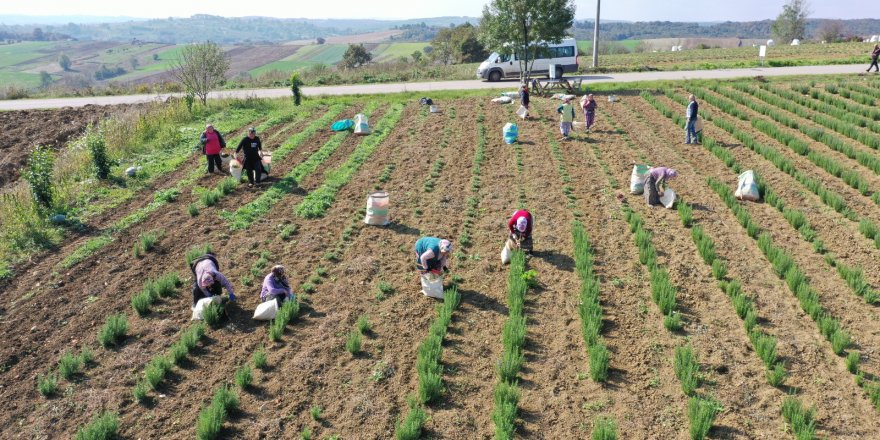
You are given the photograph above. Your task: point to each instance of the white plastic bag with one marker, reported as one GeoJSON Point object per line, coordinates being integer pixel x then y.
{"type": "Point", "coordinates": [201, 305]}
{"type": "Point", "coordinates": [522, 112]}
{"type": "Point", "coordinates": [668, 198]}
{"type": "Point", "coordinates": [637, 179]}
{"type": "Point", "coordinates": [747, 188]}
{"type": "Point", "coordinates": [432, 285]}
{"type": "Point", "coordinates": [434, 109]}
{"type": "Point", "coordinates": [505, 253]}
{"type": "Point", "coordinates": [510, 133]}
{"type": "Point", "coordinates": [503, 100]}
{"type": "Point", "coordinates": [361, 125]}
{"type": "Point", "coordinates": [266, 311]}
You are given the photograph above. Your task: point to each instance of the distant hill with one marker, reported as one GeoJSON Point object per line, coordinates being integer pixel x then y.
{"type": "Point", "coordinates": [42, 20]}
{"type": "Point", "coordinates": [583, 30]}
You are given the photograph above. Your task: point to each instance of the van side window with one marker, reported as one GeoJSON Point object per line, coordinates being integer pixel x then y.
{"type": "Point", "coordinates": [505, 58]}
{"type": "Point", "coordinates": [563, 52]}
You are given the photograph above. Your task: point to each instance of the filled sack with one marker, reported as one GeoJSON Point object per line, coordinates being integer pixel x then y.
{"type": "Point", "coordinates": [505, 253]}
{"type": "Point", "coordinates": [503, 100]}
{"type": "Point", "coordinates": [522, 112]}
{"type": "Point", "coordinates": [361, 125]}
{"type": "Point", "coordinates": [510, 133]}
{"type": "Point", "coordinates": [747, 187]}
{"type": "Point", "coordinates": [266, 311]}
{"type": "Point", "coordinates": [698, 125]}
{"type": "Point", "coordinates": [342, 125]}
{"type": "Point", "coordinates": [432, 285]}
{"type": "Point", "coordinates": [200, 306]}
{"type": "Point", "coordinates": [637, 179]}
{"type": "Point", "coordinates": [426, 101]}
{"type": "Point", "coordinates": [235, 169]}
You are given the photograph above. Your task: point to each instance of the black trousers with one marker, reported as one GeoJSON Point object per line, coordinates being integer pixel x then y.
{"type": "Point", "coordinates": [253, 167]}
{"type": "Point", "coordinates": [214, 159]}
{"type": "Point", "coordinates": [215, 290]}
{"type": "Point", "coordinates": [874, 65]}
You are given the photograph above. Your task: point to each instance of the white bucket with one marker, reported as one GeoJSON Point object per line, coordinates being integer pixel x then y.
{"type": "Point", "coordinates": [668, 198]}
{"type": "Point", "coordinates": [201, 305]}
{"type": "Point", "coordinates": [522, 112]}
{"type": "Point", "coordinates": [435, 109]}
{"type": "Point", "coordinates": [377, 209]}
{"type": "Point", "coordinates": [432, 285]}
{"type": "Point", "coordinates": [266, 311]}
{"type": "Point", "coordinates": [226, 158]}
{"type": "Point", "coordinates": [235, 169]}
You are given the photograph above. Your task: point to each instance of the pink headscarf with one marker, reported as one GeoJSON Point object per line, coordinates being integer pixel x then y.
{"type": "Point", "coordinates": [445, 246]}
{"type": "Point", "coordinates": [207, 280]}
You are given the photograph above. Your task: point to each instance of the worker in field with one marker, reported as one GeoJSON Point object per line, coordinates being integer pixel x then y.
{"type": "Point", "coordinates": [874, 55]}
{"type": "Point", "coordinates": [209, 281]}
{"type": "Point", "coordinates": [566, 112]}
{"type": "Point", "coordinates": [655, 184]}
{"type": "Point", "coordinates": [691, 117]}
{"type": "Point", "coordinates": [212, 145]}
{"type": "Point", "coordinates": [253, 156]}
{"type": "Point", "coordinates": [524, 99]}
{"type": "Point", "coordinates": [432, 255]}
{"type": "Point", "coordinates": [520, 228]}
{"type": "Point", "coordinates": [589, 106]}
{"type": "Point", "coordinates": [276, 286]}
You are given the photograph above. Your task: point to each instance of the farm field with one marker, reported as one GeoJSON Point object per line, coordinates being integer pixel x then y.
{"type": "Point", "coordinates": [717, 319]}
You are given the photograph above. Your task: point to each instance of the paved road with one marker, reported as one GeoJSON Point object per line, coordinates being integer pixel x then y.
{"type": "Point", "coordinates": [442, 85]}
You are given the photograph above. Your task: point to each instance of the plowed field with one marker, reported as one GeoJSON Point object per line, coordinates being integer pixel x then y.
{"type": "Point", "coordinates": [796, 271]}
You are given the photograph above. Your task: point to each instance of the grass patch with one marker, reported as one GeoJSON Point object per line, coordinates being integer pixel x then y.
{"type": "Point", "coordinates": [47, 385]}
{"type": "Point", "coordinates": [102, 427]}
{"type": "Point", "coordinates": [604, 429]}
{"type": "Point", "coordinates": [113, 331]}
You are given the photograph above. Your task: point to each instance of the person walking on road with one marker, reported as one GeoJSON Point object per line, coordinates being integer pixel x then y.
{"type": "Point", "coordinates": [432, 254]}
{"type": "Point", "coordinates": [208, 279]}
{"type": "Point", "coordinates": [589, 106]}
{"type": "Point", "coordinates": [566, 112]}
{"type": "Point", "coordinates": [276, 286]}
{"type": "Point", "coordinates": [655, 184]}
{"type": "Point", "coordinates": [520, 228]}
{"type": "Point", "coordinates": [212, 144]}
{"type": "Point", "coordinates": [874, 55]}
{"type": "Point", "coordinates": [691, 115]}
{"type": "Point", "coordinates": [253, 156]}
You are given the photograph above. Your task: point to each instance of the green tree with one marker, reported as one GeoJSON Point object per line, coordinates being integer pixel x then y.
{"type": "Point", "coordinates": [200, 67]}
{"type": "Point", "coordinates": [39, 175]}
{"type": "Point", "coordinates": [416, 56]}
{"type": "Point", "coordinates": [134, 63]}
{"type": "Point", "coordinates": [468, 48]}
{"type": "Point", "coordinates": [45, 79]}
{"type": "Point", "coordinates": [830, 31]}
{"type": "Point", "coordinates": [519, 25]}
{"type": "Point", "coordinates": [64, 62]}
{"type": "Point", "coordinates": [792, 22]}
{"type": "Point", "coordinates": [355, 56]}
{"type": "Point", "coordinates": [442, 46]}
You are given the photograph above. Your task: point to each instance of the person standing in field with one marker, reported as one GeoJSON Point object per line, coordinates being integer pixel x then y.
{"type": "Point", "coordinates": [524, 98]}
{"type": "Point", "coordinates": [566, 112]}
{"type": "Point", "coordinates": [589, 106]}
{"type": "Point", "coordinates": [432, 254]}
{"type": "Point", "coordinates": [874, 55]}
{"type": "Point", "coordinates": [691, 115]}
{"type": "Point", "coordinates": [253, 156]}
{"type": "Point", "coordinates": [276, 286]}
{"type": "Point", "coordinates": [656, 184]}
{"type": "Point", "coordinates": [520, 228]}
{"type": "Point", "coordinates": [212, 144]}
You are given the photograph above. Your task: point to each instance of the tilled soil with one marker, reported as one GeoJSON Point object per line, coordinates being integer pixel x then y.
{"type": "Point", "coordinates": [363, 396]}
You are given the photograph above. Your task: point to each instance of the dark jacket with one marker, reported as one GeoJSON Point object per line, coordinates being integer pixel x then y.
{"type": "Point", "coordinates": [692, 109]}
{"type": "Point", "coordinates": [875, 53]}
{"type": "Point", "coordinates": [251, 147]}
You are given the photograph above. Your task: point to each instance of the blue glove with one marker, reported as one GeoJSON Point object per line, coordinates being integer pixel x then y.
{"type": "Point", "coordinates": [231, 296]}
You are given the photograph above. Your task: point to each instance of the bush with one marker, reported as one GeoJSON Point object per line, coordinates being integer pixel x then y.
{"type": "Point", "coordinates": [114, 330]}
{"type": "Point", "coordinates": [315, 412]}
{"type": "Point", "coordinates": [141, 303]}
{"type": "Point", "coordinates": [852, 362]}
{"type": "Point", "coordinates": [506, 400]}
{"type": "Point", "coordinates": [193, 210]}
{"type": "Point", "coordinates": [211, 418]}
{"type": "Point", "coordinates": [98, 149]}
{"type": "Point", "coordinates": [139, 392]}
{"type": "Point", "coordinates": [47, 385]}
{"type": "Point", "coordinates": [39, 175]}
{"type": "Point", "coordinates": [802, 420]}
{"type": "Point", "coordinates": [102, 427]}
{"type": "Point", "coordinates": [196, 252]}
{"type": "Point", "coordinates": [156, 370]}
{"type": "Point", "coordinates": [210, 198]}
{"type": "Point", "coordinates": [776, 375]}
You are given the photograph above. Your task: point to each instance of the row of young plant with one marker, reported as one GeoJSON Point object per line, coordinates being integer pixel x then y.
{"type": "Point", "coordinates": [701, 410]}
{"type": "Point", "coordinates": [244, 216]}
{"type": "Point", "coordinates": [157, 369]}
{"type": "Point", "coordinates": [859, 93]}
{"type": "Point", "coordinates": [513, 337]}
{"type": "Point", "coordinates": [438, 164]}
{"type": "Point", "coordinates": [857, 107]}
{"type": "Point", "coordinates": [429, 369]}
{"type": "Point", "coordinates": [864, 158]}
{"type": "Point", "coordinates": [316, 203]}
{"type": "Point", "coordinates": [69, 366]}
{"type": "Point", "coordinates": [562, 169]}
{"type": "Point", "coordinates": [853, 276]}
{"type": "Point", "coordinates": [473, 202]}
{"type": "Point", "coordinates": [829, 164]}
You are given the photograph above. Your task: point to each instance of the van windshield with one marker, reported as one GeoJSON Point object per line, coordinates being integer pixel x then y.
{"type": "Point", "coordinates": [499, 57]}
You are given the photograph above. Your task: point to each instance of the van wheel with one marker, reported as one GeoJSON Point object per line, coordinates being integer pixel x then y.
{"type": "Point", "coordinates": [494, 76]}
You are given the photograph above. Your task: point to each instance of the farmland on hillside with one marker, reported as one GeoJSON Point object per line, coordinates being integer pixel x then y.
{"type": "Point", "coordinates": [744, 320]}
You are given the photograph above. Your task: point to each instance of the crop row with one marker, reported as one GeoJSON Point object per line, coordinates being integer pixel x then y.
{"type": "Point", "coordinates": [589, 309]}
{"type": "Point", "coordinates": [859, 93]}
{"type": "Point", "coordinates": [857, 108]}
{"type": "Point", "coordinates": [154, 289]}
{"type": "Point", "coordinates": [829, 164]}
{"type": "Point", "coordinates": [69, 365]}
{"type": "Point", "coordinates": [438, 165]}
{"type": "Point", "coordinates": [429, 369]}
{"type": "Point", "coordinates": [473, 202]}
{"type": "Point", "coordinates": [513, 338]}
{"type": "Point", "coordinates": [156, 370]}
{"type": "Point", "coordinates": [211, 418]}
{"type": "Point", "coordinates": [316, 203]}
{"type": "Point", "coordinates": [243, 217]}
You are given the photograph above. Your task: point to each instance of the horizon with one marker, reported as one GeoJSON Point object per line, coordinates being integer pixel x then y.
{"type": "Point", "coordinates": [388, 10]}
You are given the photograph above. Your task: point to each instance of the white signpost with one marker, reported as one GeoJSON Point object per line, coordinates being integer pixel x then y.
{"type": "Point", "coordinates": [762, 53]}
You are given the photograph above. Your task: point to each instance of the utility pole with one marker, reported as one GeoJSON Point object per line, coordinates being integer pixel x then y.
{"type": "Point", "coordinates": [596, 37]}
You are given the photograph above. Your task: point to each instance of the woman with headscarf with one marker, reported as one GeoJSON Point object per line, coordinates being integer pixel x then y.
{"type": "Point", "coordinates": [276, 286]}
{"type": "Point", "coordinates": [874, 55]}
{"type": "Point", "coordinates": [432, 254]}
{"type": "Point", "coordinates": [656, 184]}
{"type": "Point", "coordinates": [208, 279]}
{"type": "Point", "coordinates": [566, 117]}
{"type": "Point", "coordinates": [589, 106]}
{"type": "Point", "coordinates": [520, 227]}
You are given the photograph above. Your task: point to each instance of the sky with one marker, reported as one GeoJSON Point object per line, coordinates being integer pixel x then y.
{"type": "Point", "coordinates": [632, 10]}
